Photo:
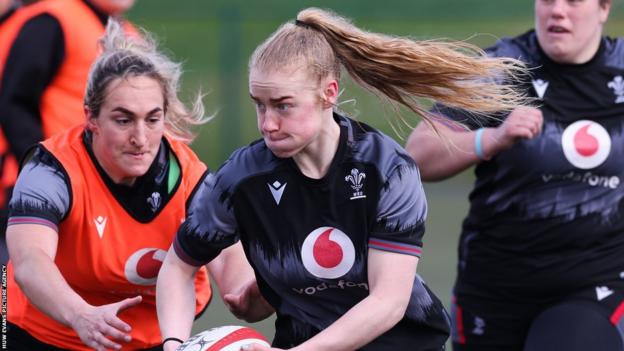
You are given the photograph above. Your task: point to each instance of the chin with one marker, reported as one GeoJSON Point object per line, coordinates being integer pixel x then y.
{"type": "Point", "coordinates": [136, 172]}
{"type": "Point", "coordinates": [282, 153]}
{"type": "Point", "coordinates": [280, 150]}
{"type": "Point", "coordinates": [556, 53]}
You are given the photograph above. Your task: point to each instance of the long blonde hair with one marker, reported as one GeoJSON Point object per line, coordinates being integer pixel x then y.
{"type": "Point", "coordinates": [124, 56]}
{"type": "Point", "coordinates": [456, 74]}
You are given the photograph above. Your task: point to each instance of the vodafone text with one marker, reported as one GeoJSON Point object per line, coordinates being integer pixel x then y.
{"type": "Point", "coordinates": [341, 284]}
{"type": "Point", "coordinates": [589, 178]}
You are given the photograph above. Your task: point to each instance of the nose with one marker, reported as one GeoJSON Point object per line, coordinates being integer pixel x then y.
{"type": "Point", "coordinates": [268, 122]}
{"type": "Point", "coordinates": [138, 137]}
{"type": "Point", "coordinates": [558, 8]}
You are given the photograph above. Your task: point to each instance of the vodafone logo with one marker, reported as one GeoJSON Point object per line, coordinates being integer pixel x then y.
{"type": "Point", "coordinates": [327, 253]}
{"type": "Point", "coordinates": [142, 267]}
{"type": "Point", "coordinates": [586, 144]}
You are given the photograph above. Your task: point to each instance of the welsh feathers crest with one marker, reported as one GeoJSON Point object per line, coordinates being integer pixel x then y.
{"type": "Point", "coordinates": [154, 201]}
{"type": "Point", "coordinates": [356, 180]}
{"type": "Point", "coordinates": [617, 84]}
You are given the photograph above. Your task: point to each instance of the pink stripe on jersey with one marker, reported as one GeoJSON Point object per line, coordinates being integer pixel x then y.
{"type": "Point", "coordinates": [459, 321]}
{"type": "Point", "coordinates": [617, 315]}
{"type": "Point", "coordinates": [32, 220]}
{"type": "Point", "coordinates": [398, 247]}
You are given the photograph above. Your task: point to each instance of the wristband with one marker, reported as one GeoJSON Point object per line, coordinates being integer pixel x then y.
{"type": "Point", "coordinates": [173, 339]}
{"type": "Point", "coordinates": [478, 147]}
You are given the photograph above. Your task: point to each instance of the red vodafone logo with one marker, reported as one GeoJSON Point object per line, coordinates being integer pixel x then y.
{"type": "Point", "coordinates": [327, 253]}
{"type": "Point", "coordinates": [142, 267]}
{"type": "Point", "coordinates": [586, 144]}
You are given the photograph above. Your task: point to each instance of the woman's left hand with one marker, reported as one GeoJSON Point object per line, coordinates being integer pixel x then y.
{"type": "Point", "coordinates": [248, 303]}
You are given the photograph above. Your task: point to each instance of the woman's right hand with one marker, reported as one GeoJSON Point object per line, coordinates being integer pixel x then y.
{"type": "Point", "coordinates": [522, 123]}
{"type": "Point", "coordinates": [98, 326]}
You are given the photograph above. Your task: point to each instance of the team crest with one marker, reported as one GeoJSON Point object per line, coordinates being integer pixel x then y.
{"type": "Point", "coordinates": [154, 201]}
{"type": "Point", "coordinates": [617, 84]}
{"type": "Point", "coordinates": [356, 180]}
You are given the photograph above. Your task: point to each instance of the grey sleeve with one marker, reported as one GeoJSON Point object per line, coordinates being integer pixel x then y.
{"type": "Point", "coordinates": [41, 194]}
{"type": "Point", "coordinates": [401, 213]}
{"type": "Point", "coordinates": [210, 226]}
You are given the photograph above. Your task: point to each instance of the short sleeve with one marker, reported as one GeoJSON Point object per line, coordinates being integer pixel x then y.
{"type": "Point", "coordinates": [41, 194]}
{"type": "Point", "coordinates": [401, 213]}
{"type": "Point", "coordinates": [210, 226]}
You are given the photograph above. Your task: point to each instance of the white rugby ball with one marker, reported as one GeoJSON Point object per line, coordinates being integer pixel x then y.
{"type": "Point", "coordinates": [227, 338]}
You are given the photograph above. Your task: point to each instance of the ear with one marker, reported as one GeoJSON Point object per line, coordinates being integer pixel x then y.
{"type": "Point", "coordinates": [91, 120]}
{"type": "Point", "coordinates": [330, 93]}
{"type": "Point", "coordinates": [605, 9]}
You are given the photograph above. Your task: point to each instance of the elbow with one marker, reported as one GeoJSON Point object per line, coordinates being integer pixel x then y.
{"type": "Point", "coordinates": [23, 266]}
{"type": "Point", "coordinates": [421, 155]}
{"type": "Point", "coordinates": [430, 174]}
{"type": "Point", "coordinates": [399, 308]}
{"type": "Point", "coordinates": [20, 275]}
{"type": "Point", "coordinates": [394, 311]}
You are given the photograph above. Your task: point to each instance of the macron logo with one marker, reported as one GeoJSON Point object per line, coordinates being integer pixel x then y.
{"type": "Point", "coordinates": [100, 224]}
{"type": "Point", "coordinates": [540, 87]}
{"type": "Point", "coordinates": [602, 292]}
{"type": "Point", "coordinates": [277, 189]}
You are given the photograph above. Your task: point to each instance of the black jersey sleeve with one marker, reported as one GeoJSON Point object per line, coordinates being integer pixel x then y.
{"type": "Point", "coordinates": [210, 226]}
{"type": "Point", "coordinates": [41, 194]}
{"type": "Point", "coordinates": [401, 212]}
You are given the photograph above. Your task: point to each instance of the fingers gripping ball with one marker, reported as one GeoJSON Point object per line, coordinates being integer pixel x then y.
{"type": "Point", "coordinates": [227, 338]}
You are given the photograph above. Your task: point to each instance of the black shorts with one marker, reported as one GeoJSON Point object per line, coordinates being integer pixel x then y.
{"type": "Point", "coordinates": [589, 319]}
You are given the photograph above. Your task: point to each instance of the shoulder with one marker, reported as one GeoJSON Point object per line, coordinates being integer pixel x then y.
{"type": "Point", "coordinates": [42, 188]}
{"type": "Point", "coordinates": [614, 52]}
{"type": "Point", "coordinates": [43, 23]}
{"type": "Point", "coordinates": [183, 153]}
{"type": "Point", "coordinates": [371, 146]}
{"type": "Point", "coordinates": [42, 159]}
{"type": "Point", "coordinates": [246, 162]}
{"type": "Point", "coordinates": [523, 47]}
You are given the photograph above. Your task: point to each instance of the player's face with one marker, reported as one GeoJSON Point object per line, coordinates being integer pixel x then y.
{"type": "Point", "coordinates": [290, 107]}
{"type": "Point", "coordinates": [128, 131]}
{"type": "Point", "coordinates": [569, 31]}
{"type": "Point", "coordinates": [113, 7]}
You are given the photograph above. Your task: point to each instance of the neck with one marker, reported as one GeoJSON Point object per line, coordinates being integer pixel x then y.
{"type": "Point", "coordinates": [314, 160]}
{"type": "Point", "coordinates": [587, 54]}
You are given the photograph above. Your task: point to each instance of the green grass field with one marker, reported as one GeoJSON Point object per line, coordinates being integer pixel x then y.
{"type": "Point", "coordinates": [215, 38]}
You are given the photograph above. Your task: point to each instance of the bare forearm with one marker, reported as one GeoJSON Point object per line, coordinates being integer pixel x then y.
{"type": "Point", "coordinates": [356, 323]}
{"type": "Point", "coordinates": [230, 270]}
{"type": "Point", "coordinates": [391, 278]}
{"type": "Point", "coordinates": [441, 156]}
{"type": "Point", "coordinates": [175, 302]}
{"type": "Point", "coordinates": [48, 289]}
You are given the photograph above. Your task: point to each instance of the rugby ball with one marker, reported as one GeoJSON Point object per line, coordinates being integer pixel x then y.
{"type": "Point", "coordinates": [227, 338]}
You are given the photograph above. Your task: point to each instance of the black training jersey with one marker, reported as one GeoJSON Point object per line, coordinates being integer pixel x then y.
{"type": "Point", "coordinates": [308, 239]}
{"type": "Point", "coordinates": [546, 215]}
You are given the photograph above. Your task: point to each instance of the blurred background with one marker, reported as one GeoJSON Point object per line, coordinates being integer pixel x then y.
{"type": "Point", "coordinates": [215, 38]}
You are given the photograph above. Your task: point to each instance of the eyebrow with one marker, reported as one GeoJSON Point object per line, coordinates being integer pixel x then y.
{"type": "Point", "coordinates": [276, 100]}
{"type": "Point", "coordinates": [128, 112]}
